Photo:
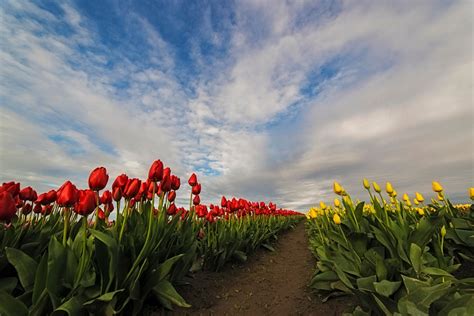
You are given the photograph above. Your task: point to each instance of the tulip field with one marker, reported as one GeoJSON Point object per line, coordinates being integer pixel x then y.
{"type": "Point", "coordinates": [398, 257]}
{"type": "Point", "coordinates": [96, 251]}
{"type": "Point", "coordinates": [62, 253]}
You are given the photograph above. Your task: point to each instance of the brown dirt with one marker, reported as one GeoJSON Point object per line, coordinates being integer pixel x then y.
{"type": "Point", "coordinates": [269, 283]}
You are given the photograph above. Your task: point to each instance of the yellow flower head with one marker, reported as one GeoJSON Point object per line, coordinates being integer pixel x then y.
{"type": "Point", "coordinates": [420, 211]}
{"type": "Point", "coordinates": [337, 203]}
{"type": "Point", "coordinates": [338, 188]}
{"type": "Point", "coordinates": [408, 202]}
{"type": "Point", "coordinates": [406, 198]}
{"type": "Point", "coordinates": [436, 186]}
{"type": "Point", "coordinates": [313, 213]}
{"type": "Point", "coordinates": [443, 231]}
{"type": "Point", "coordinates": [440, 196]}
{"type": "Point", "coordinates": [416, 201]}
{"type": "Point", "coordinates": [389, 188]}
{"type": "Point", "coordinates": [394, 194]}
{"type": "Point", "coordinates": [376, 187]}
{"type": "Point", "coordinates": [471, 193]}
{"type": "Point", "coordinates": [366, 184]}
{"type": "Point", "coordinates": [322, 205]}
{"type": "Point", "coordinates": [419, 197]}
{"type": "Point", "coordinates": [336, 219]}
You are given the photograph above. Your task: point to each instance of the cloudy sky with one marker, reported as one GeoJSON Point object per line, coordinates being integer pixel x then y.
{"type": "Point", "coordinates": [269, 100]}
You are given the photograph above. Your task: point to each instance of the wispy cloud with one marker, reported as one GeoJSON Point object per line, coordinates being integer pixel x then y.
{"type": "Point", "coordinates": [265, 99]}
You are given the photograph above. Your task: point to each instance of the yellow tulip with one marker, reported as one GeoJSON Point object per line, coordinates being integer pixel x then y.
{"type": "Point", "coordinates": [337, 203]}
{"type": "Point", "coordinates": [389, 188]}
{"type": "Point", "coordinates": [440, 196]}
{"type": "Point", "coordinates": [436, 186]}
{"type": "Point", "coordinates": [408, 202]}
{"type": "Point", "coordinates": [419, 197]}
{"type": "Point", "coordinates": [313, 213]}
{"type": "Point", "coordinates": [366, 184]}
{"type": "Point", "coordinates": [322, 205]}
{"type": "Point", "coordinates": [443, 231]}
{"type": "Point", "coordinates": [406, 198]}
{"type": "Point", "coordinates": [376, 187]}
{"type": "Point", "coordinates": [471, 193]}
{"type": "Point", "coordinates": [338, 188]}
{"type": "Point", "coordinates": [336, 219]}
{"type": "Point", "coordinates": [420, 211]}
{"type": "Point", "coordinates": [416, 201]}
{"type": "Point", "coordinates": [394, 194]}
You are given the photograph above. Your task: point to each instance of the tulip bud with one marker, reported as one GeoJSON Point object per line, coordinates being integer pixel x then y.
{"type": "Point", "coordinates": [406, 198]}
{"type": "Point", "coordinates": [171, 196]}
{"type": "Point", "coordinates": [337, 203]}
{"type": "Point", "coordinates": [416, 201]}
{"type": "Point", "coordinates": [192, 180]}
{"type": "Point", "coordinates": [117, 194]}
{"type": "Point", "coordinates": [196, 200]}
{"type": "Point", "coordinates": [86, 203]}
{"type": "Point", "coordinates": [28, 194]}
{"type": "Point", "coordinates": [443, 231]}
{"type": "Point", "coordinates": [471, 193]}
{"type": "Point", "coordinates": [322, 205]}
{"type": "Point", "coordinates": [196, 189]}
{"type": "Point", "coordinates": [67, 194]}
{"type": "Point", "coordinates": [336, 219]}
{"type": "Point", "coordinates": [165, 184]}
{"type": "Point", "coordinates": [175, 183]}
{"type": "Point", "coordinates": [156, 171]}
{"type": "Point", "coordinates": [120, 182]}
{"type": "Point", "coordinates": [436, 186]}
{"type": "Point", "coordinates": [106, 197]}
{"type": "Point", "coordinates": [172, 210]}
{"type": "Point", "coordinates": [338, 188]}
{"type": "Point", "coordinates": [132, 188]}
{"type": "Point", "coordinates": [98, 179]}
{"type": "Point", "coordinates": [389, 188]}
{"type": "Point", "coordinates": [419, 197]}
{"type": "Point", "coordinates": [366, 184]}
{"type": "Point", "coordinates": [376, 187]}
{"type": "Point", "coordinates": [223, 201]}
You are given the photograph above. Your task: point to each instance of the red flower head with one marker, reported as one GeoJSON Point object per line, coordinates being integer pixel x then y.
{"type": "Point", "coordinates": [37, 209]}
{"type": "Point", "coordinates": [86, 203]}
{"type": "Point", "coordinates": [109, 207]}
{"type": "Point", "coordinates": [175, 182]}
{"type": "Point", "coordinates": [132, 188]}
{"type": "Point", "coordinates": [196, 189]}
{"type": "Point", "coordinates": [171, 196]}
{"type": "Point", "coordinates": [172, 210]}
{"type": "Point", "coordinates": [156, 171]}
{"type": "Point", "coordinates": [7, 206]}
{"type": "Point", "coordinates": [98, 179]}
{"type": "Point", "coordinates": [101, 214]}
{"type": "Point", "coordinates": [166, 182]}
{"type": "Point", "coordinates": [106, 197]}
{"type": "Point", "coordinates": [11, 187]}
{"type": "Point", "coordinates": [26, 209]}
{"type": "Point", "coordinates": [120, 182]}
{"type": "Point", "coordinates": [210, 218]}
{"type": "Point", "coordinates": [28, 194]}
{"type": "Point", "coordinates": [47, 209]}
{"type": "Point", "coordinates": [51, 196]}
{"type": "Point", "coordinates": [117, 193]}
{"type": "Point", "coordinates": [201, 210]}
{"type": "Point", "coordinates": [193, 180]}
{"type": "Point", "coordinates": [196, 200]}
{"type": "Point", "coordinates": [142, 191]}
{"type": "Point", "coordinates": [223, 202]}
{"type": "Point", "coordinates": [67, 194]}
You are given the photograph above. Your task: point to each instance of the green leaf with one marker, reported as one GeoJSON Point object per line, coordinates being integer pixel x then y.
{"type": "Point", "coordinates": [10, 306]}
{"type": "Point", "coordinates": [367, 283]}
{"type": "Point", "coordinates": [8, 284]}
{"type": "Point", "coordinates": [436, 271]}
{"type": "Point", "coordinates": [56, 263]}
{"type": "Point", "coordinates": [387, 288]}
{"type": "Point", "coordinates": [24, 265]}
{"type": "Point", "coordinates": [40, 278]}
{"type": "Point", "coordinates": [73, 307]}
{"type": "Point", "coordinates": [166, 290]}
{"type": "Point", "coordinates": [415, 257]}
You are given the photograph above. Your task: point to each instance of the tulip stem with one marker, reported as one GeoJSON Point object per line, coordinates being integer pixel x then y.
{"type": "Point", "coordinates": [125, 214]}
{"type": "Point", "coordinates": [66, 224]}
{"type": "Point", "coordinates": [96, 209]}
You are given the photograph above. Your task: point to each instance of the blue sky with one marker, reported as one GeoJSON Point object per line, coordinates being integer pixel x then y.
{"type": "Point", "coordinates": [264, 99]}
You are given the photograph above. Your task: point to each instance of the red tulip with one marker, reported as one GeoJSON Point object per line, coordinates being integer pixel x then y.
{"type": "Point", "coordinates": [196, 200]}
{"type": "Point", "coordinates": [98, 179]}
{"type": "Point", "coordinates": [67, 194]}
{"type": "Point", "coordinates": [7, 206]}
{"type": "Point", "coordinates": [142, 191]}
{"type": "Point", "coordinates": [106, 197]}
{"type": "Point", "coordinates": [171, 196]}
{"type": "Point", "coordinates": [156, 171]}
{"type": "Point", "coordinates": [192, 180]}
{"type": "Point", "coordinates": [172, 210]}
{"type": "Point", "coordinates": [109, 207]}
{"type": "Point", "coordinates": [132, 188]}
{"type": "Point", "coordinates": [117, 194]}
{"type": "Point", "coordinates": [26, 209]}
{"type": "Point", "coordinates": [11, 187]}
{"type": "Point", "coordinates": [101, 214]}
{"type": "Point", "coordinates": [46, 210]}
{"type": "Point", "coordinates": [166, 182]}
{"type": "Point", "coordinates": [37, 209]}
{"type": "Point", "coordinates": [87, 202]}
{"type": "Point", "coordinates": [28, 194]}
{"type": "Point", "coordinates": [196, 189]}
{"type": "Point", "coordinates": [223, 202]}
{"type": "Point", "coordinates": [120, 182]}
{"type": "Point", "coordinates": [175, 182]}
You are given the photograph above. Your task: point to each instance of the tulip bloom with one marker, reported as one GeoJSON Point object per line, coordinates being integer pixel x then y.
{"type": "Point", "coordinates": [376, 187]}
{"type": "Point", "coordinates": [366, 184]}
{"type": "Point", "coordinates": [172, 210]}
{"type": "Point", "coordinates": [471, 193]}
{"type": "Point", "coordinates": [338, 188]}
{"type": "Point", "coordinates": [132, 188]}
{"type": "Point", "coordinates": [120, 182]}
{"type": "Point", "coordinates": [67, 194]}
{"type": "Point", "coordinates": [389, 188]}
{"type": "Point", "coordinates": [171, 196]}
{"type": "Point", "coordinates": [437, 187]}
{"type": "Point", "coordinates": [28, 194]}
{"type": "Point", "coordinates": [156, 171]}
{"type": "Point", "coordinates": [192, 180]}
{"type": "Point", "coordinates": [223, 202]}
{"type": "Point", "coordinates": [175, 182]}
{"type": "Point", "coordinates": [7, 206]}
{"type": "Point", "coordinates": [196, 200]}
{"type": "Point", "coordinates": [196, 189]}
{"type": "Point", "coordinates": [98, 179]}
{"type": "Point", "coordinates": [37, 209]}
{"type": "Point", "coordinates": [106, 197]}
{"type": "Point", "coordinates": [419, 197]}
{"type": "Point", "coordinates": [86, 204]}
{"type": "Point", "coordinates": [336, 219]}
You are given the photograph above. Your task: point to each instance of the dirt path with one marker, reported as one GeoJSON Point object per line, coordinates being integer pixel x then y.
{"type": "Point", "coordinates": [269, 283]}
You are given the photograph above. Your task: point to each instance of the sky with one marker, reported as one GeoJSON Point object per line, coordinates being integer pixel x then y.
{"type": "Point", "coordinates": [267, 100]}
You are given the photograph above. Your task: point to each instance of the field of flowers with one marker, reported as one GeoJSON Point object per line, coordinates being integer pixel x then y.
{"type": "Point", "coordinates": [60, 252]}
{"type": "Point", "coordinates": [398, 257]}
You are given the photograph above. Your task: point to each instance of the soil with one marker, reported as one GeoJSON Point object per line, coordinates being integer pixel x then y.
{"type": "Point", "coordinates": [269, 283]}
